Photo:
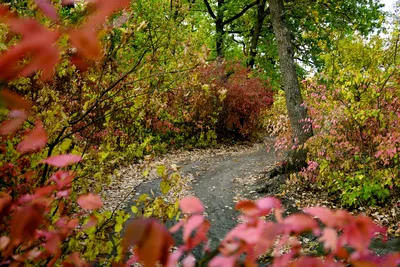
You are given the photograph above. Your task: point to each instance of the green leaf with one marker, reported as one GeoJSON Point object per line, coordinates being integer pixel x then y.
{"type": "Point", "coordinates": [143, 197]}
{"type": "Point", "coordinates": [165, 187]}
{"type": "Point", "coordinates": [118, 228]}
{"type": "Point", "coordinates": [134, 209]}
{"type": "Point", "coordinates": [161, 170]}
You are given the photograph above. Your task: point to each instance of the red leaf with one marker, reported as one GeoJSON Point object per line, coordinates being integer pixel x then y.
{"type": "Point", "coordinates": [75, 258]}
{"type": "Point", "coordinates": [35, 140]}
{"type": "Point", "coordinates": [80, 63]}
{"type": "Point", "coordinates": [17, 118]}
{"type": "Point", "coordinates": [248, 208]}
{"type": "Point", "coordinates": [91, 222]}
{"type": "Point", "coordinates": [47, 8]}
{"type": "Point", "coordinates": [359, 232]}
{"type": "Point", "coordinates": [63, 179]}
{"type": "Point", "coordinates": [5, 204]}
{"type": "Point", "coordinates": [62, 160]}
{"type": "Point", "coordinates": [53, 243]}
{"type": "Point", "coordinates": [152, 240]}
{"type": "Point", "coordinates": [312, 262]}
{"type": "Point", "coordinates": [37, 42]}
{"type": "Point", "coordinates": [85, 40]}
{"type": "Point", "coordinates": [90, 202]}
{"type": "Point", "coordinates": [191, 205]}
{"type": "Point", "coordinates": [24, 224]}
{"type": "Point", "coordinates": [4, 241]}
{"type": "Point", "coordinates": [13, 100]}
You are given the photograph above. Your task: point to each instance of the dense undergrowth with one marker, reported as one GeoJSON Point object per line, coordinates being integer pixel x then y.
{"type": "Point", "coordinates": [354, 110]}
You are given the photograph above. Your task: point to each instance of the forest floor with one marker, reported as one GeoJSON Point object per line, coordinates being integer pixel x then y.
{"type": "Point", "coordinates": [220, 178]}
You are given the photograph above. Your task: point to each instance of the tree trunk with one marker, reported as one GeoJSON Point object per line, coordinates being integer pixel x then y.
{"type": "Point", "coordinates": [301, 128]}
{"type": "Point", "coordinates": [261, 14]}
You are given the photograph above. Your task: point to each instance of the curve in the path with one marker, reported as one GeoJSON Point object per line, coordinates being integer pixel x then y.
{"type": "Point", "coordinates": [214, 185]}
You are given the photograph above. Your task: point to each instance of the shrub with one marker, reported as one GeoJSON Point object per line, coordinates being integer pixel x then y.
{"type": "Point", "coordinates": [345, 238]}
{"type": "Point", "coordinates": [355, 112]}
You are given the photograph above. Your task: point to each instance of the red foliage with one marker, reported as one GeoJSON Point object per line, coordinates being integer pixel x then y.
{"type": "Point", "coordinates": [246, 96]}
{"type": "Point", "coordinates": [256, 237]}
{"type": "Point", "coordinates": [32, 230]}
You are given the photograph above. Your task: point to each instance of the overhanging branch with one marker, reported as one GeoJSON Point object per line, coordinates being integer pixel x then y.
{"type": "Point", "coordinates": [209, 9]}
{"type": "Point", "coordinates": [238, 15]}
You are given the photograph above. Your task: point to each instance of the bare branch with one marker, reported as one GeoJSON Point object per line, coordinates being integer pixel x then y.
{"type": "Point", "coordinates": [238, 15]}
{"type": "Point", "coordinates": [209, 9]}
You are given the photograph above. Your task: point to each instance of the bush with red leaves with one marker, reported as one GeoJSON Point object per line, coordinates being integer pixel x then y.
{"type": "Point", "coordinates": [345, 238]}
{"type": "Point", "coordinates": [243, 97]}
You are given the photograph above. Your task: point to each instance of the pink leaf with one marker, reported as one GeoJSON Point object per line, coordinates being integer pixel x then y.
{"type": "Point", "coordinates": [64, 193]}
{"type": "Point", "coordinates": [62, 160]}
{"type": "Point", "coordinates": [47, 8]}
{"type": "Point", "coordinates": [191, 205]}
{"type": "Point", "coordinates": [177, 226]}
{"type": "Point", "coordinates": [330, 239]}
{"type": "Point", "coordinates": [90, 202]}
{"type": "Point", "coordinates": [298, 223]}
{"type": "Point", "coordinates": [192, 224]}
{"type": "Point", "coordinates": [35, 140]}
{"type": "Point", "coordinates": [324, 214]}
{"type": "Point", "coordinates": [248, 208]}
{"type": "Point", "coordinates": [17, 118]}
{"type": "Point", "coordinates": [189, 261]}
{"type": "Point", "coordinates": [75, 258]}
{"type": "Point", "coordinates": [266, 204]}
{"type": "Point", "coordinates": [222, 261]}
{"type": "Point", "coordinates": [174, 258]}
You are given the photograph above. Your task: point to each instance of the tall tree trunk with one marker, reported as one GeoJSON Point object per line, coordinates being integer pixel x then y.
{"type": "Point", "coordinates": [261, 14]}
{"type": "Point", "coordinates": [219, 38]}
{"type": "Point", "coordinates": [301, 128]}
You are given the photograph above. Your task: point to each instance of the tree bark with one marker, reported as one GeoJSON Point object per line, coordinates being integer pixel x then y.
{"type": "Point", "coordinates": [301, 127]}
{"type": "Point", "coordinates": [262, 12]}
{"type": "Point", "coordinates": [219, 30]}
{"type": "Point", "coordinates": [220, 22]}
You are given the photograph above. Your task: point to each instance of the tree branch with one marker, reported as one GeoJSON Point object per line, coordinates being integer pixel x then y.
{"type": "Point", "coordinates": [238, 15]}
{"type": "Point", "coordinates": [209, 9]}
